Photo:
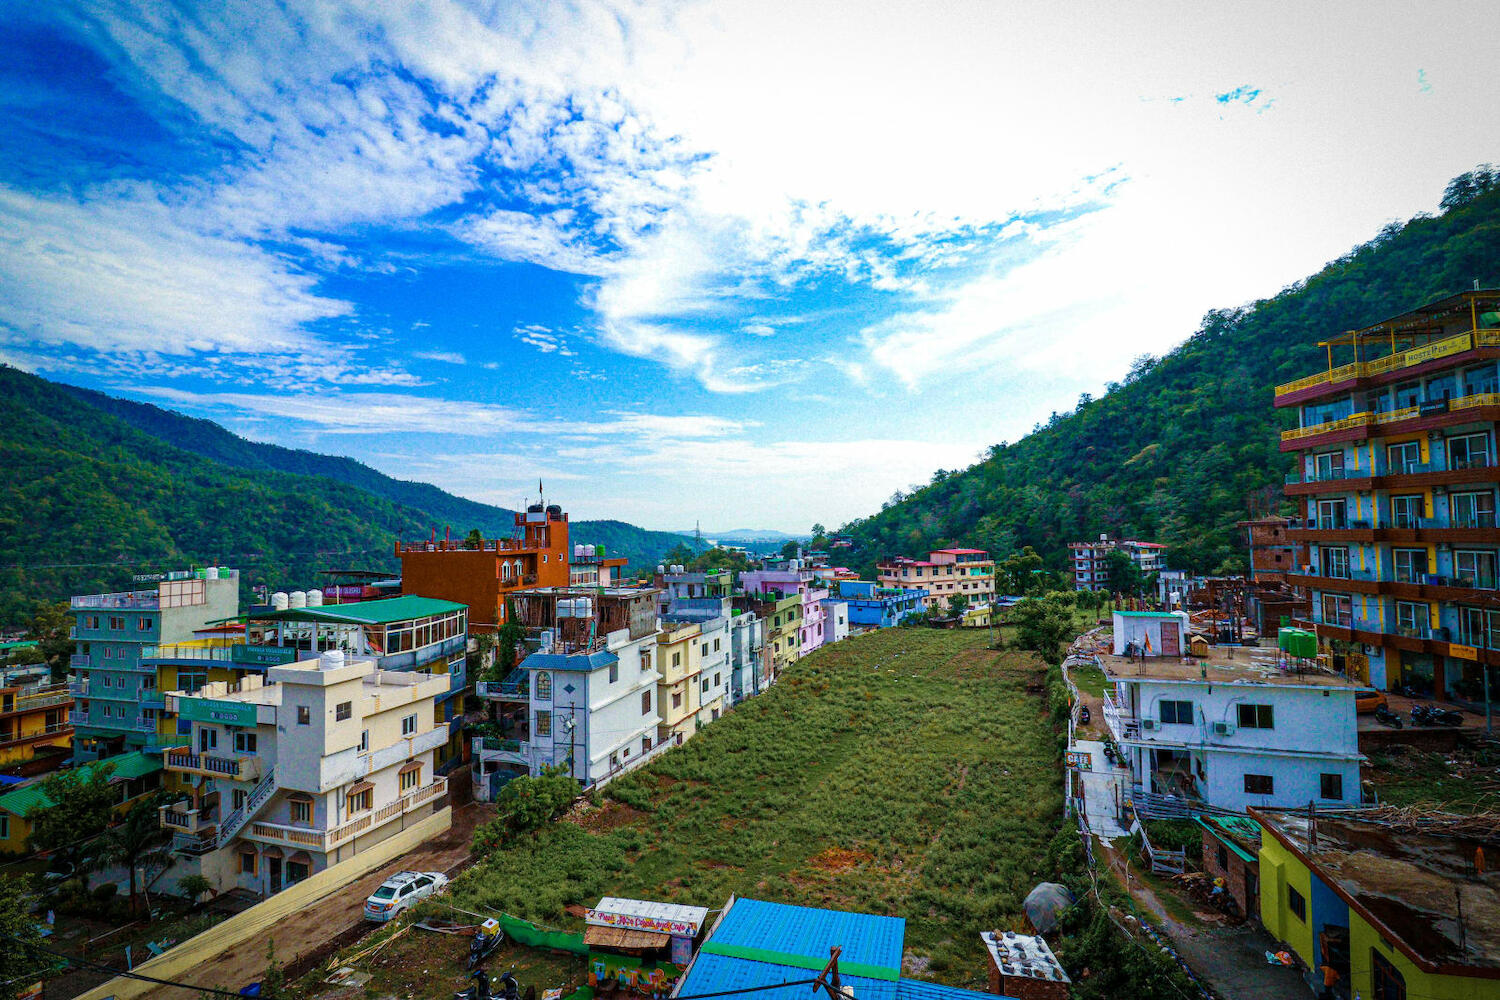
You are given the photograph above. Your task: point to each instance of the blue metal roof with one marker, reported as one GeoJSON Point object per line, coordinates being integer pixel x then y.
{"type": "Point", "coordinates": [581, 662]}
{"type": "Point", "coordinates": [866, 939]}
{"type": "Point", "coordinates": [801, 936]}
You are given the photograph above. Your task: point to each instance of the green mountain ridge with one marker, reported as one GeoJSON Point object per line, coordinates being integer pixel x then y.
{"type": "Point", "coordinates": [99, 489]}
{"type": "Point", "coordinates": [1188, 444]}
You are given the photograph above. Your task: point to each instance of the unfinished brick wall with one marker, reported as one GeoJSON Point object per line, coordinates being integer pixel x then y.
{"type": "Point", "coordinates": [1239, 875]}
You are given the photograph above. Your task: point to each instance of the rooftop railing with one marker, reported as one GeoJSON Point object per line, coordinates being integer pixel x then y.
{"type": "Point", "coordinates": [125, 600]}
{"type": "Point", "coordinates": [1392, 362]}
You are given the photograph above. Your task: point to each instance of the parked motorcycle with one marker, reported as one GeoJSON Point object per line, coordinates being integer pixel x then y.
{"type": "Point", "coordinates": [1386, 717]}
{"type": "Point", "coordinates": [486, 939]}
{"type": "Point", "coordinates": [1084, 715]}
{"type": "Point", "coordinates": [1430, 715]}
{"type": "Point", "coordinates": [480, 990]}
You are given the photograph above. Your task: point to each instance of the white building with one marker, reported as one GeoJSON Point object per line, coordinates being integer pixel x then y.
{"type": "Point", "coordinates": [586, 700]}
{"type": "Point", "coordinates": [835, 620]}
{"type": "Point", "coordinates": [1235, 737]}
{"type": "Point", "coordinates": [289, 776]}
{"type": "Point", "coordinates": [749, 667]}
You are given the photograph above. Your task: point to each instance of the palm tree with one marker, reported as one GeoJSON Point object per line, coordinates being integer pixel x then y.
{"type": "Point", "coordinates": [139, 839]}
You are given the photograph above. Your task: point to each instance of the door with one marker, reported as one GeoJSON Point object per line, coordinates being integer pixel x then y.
{"type": "Point", "coordinates": [275, 874]}
{"type": "Point", "coordinates": [1171, 639]}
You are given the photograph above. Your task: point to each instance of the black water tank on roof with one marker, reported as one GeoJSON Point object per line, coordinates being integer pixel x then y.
{"type": "Point", "coordinates": [553, 510]}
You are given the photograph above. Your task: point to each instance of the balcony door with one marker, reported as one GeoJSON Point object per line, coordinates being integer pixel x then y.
{"type": "Point", "coordinates": [1411, 565]}
{"type": "Point", "coordinates": [1473, 510]}
{"type": "Point", "coordinates": [1334, 562]}
{"type": "Point", "coordinates": [1475, 568]}
{"type": "Point", "coordinates": [1328, 466]}
{"type": "Point", "coordinates": [1333, 514]}
{"type": "Point", "coordinates": [1403, 458]}
{"type": "Point", "coordinates": [1406, 511]}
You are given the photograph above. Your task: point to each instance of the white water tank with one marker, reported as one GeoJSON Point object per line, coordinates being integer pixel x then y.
{"type": "Point", "coordinates": [660, 569]}
{"type": "Point", "coordinates": [331, 659]}
{"type": "Point", "coordinates": [297, 599]}
{"type": "Point", "coordinates": [589, 550]}
{"type": "Point", "coordinates": [583, 607]}
{"type": "Point", "coordinates": [315, 598]}
{"type": "Point", "coordinates": [279, 601]}
{"type": "Point", "coordinates": [577, 551]}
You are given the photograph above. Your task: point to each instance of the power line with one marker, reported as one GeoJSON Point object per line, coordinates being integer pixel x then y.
{"type": "Point", "coordinates": [127, 973]}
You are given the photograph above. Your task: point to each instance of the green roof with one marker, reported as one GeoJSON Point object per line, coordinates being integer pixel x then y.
{"type": "Point", "coordinates": [23, 644]}
{"type": "Point", "coordinates": [1227, 828]}
{"type": "Point", "coordinates": [24, 801]}
{"type": "Point", "coordinates": [381, 612]}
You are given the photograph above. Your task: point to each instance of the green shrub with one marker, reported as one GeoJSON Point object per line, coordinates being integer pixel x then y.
{"type": "Point", "coordinates": [104, 893]}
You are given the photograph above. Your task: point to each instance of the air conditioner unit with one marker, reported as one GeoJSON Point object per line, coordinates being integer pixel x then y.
{"type": "Point", "coordinates": [1149, 725]}
{"type": "Point", "coordinates": [1223, 729]}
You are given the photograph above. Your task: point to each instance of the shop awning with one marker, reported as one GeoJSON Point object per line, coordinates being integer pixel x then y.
{"type": "Point", "coordinates": [623, 937]}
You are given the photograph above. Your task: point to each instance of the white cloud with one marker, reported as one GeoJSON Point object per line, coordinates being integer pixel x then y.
{"type": "Point", "coordinates": [446, 357]}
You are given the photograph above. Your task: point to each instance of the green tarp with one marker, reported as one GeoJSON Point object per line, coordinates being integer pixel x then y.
{"type": "Point", "coordinates": [526, 933]}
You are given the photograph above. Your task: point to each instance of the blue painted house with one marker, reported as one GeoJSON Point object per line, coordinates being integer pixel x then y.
{"type": "Point", "coordinates": [757, 944]}
{"type": "Point", "coordinates": [874, 606]}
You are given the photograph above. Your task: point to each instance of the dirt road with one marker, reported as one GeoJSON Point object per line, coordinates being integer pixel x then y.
{"type": "Point", "coordinates": [338, 917]}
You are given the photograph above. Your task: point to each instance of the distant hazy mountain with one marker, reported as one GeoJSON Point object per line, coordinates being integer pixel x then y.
{"type": "Point", "coordinates": [99, 489]}
{"type": "Point", "coordinates": [739, 536]}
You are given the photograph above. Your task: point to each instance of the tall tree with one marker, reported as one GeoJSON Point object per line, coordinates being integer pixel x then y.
{"type": "Point", "coordinates": [20, 963]}
{"type": "Point", "coordinates": [82, 808]}
{"type": "Point", "coordinates": [1125, 576]}
{"type": "Point", "coordinates": [139, 840]}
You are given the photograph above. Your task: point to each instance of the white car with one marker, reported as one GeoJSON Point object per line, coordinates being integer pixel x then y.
{"type": "Point", "coordinates": [400, 891]}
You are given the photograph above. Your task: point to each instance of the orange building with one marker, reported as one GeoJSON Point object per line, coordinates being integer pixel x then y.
{"type": "Point", "coordinates": [536, 555]}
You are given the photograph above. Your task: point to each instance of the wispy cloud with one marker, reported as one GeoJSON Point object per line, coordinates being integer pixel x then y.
{"type": "Point", "coordinates": [446, 357]}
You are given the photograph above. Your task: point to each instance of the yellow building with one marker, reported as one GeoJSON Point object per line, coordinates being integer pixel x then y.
{"type": "Point", "coordinates": [34, 720]}
{"type": "Point", "coordinates": [135, 774]}
{"type": "Point", "coordinates": [678, 692]}
{"type": "Point", "coordinates": [1381, 905]}
{"type": "Point", "coordinates": [944, 574]}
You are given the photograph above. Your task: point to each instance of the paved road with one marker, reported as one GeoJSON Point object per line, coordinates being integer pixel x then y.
{"type": "Point", "coordinates": [339, 914]}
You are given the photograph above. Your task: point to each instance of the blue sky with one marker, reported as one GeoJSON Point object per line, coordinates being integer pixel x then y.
{"type": "Point", "coordinates": [753, 264]}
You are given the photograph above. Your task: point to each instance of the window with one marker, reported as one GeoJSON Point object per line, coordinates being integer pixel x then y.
{"type": "Point", "coordinates": [244, 742]}
{"type": "Point", "coordinates": [409, 725]}
{"type": "Point", "coordinates": [1223, 858]}
{"type": "Point", "coordinates": [143, 625]}
{"type": "Point", "coordinates": [208, 739]}
{"type": "Point", "coordinates": [247, 862]}
{"type": "Point", "coordinates": [1475, 569]}
{"type": "Point", "coordinates": [1296, 903]}
{"type": "Point", "coordinates": [676, 699]}
{"type": "Point", "coordinates": [714, 714]}
{"type": "Point", "coordinates": [1411, 565]}
{"type": "Point", "coordinates": [543, 724]}
{"type": "Point", "coordinates": [343, 711]}
{"type": "Point", "coordinates": [614, 670]}
{"type": "Point", "coordinates": [676, 659]}
{"type": "Point", "coordinates": [296, 871]}
{"type": "Point", "coordinates": [1479, 627]}
{"type": "Point", "coordinates": [1406, 511]}
{"type": "Point", "coordinates": [541, 684]}
{"type": "Point", "coordinates": [1332, 786]}
{"type": "Point", "coordinates": [704, 651]}
{"type": "Point", "coordinates": [116, 624]}
{"type": "Point", "coordinates": [409, 779]}
{"type": "Point", "coordinates": [1338, 609]}
{"type": "Point", "coordinates": [1388, 982]}
{"type": "Point", "coordinates": [1408, 394]}
{"type": "Point", "coordinates": [360, 801]}
{"type": "Point", "coordinates": [304, 715]}
{"type": "Point", "coordinates": [645, 744]}
{"type": "Point", "coordinates": [1259, 784]}
{"type": "Point", "coordinates": [91, 621]}
{"type": "Point", "coordinates": [1403, 458]}
{"type": "Point", "coordinates": [705, 685]}
{"type": "Point", "coordinates": [716, 645]}
{"type": "Point", "coordinates": [238, 797]}
{"type": "Point", "coordinates": [1411, 619]}
{"type": "Point", "coordinates": [364, 741]}
{"type": "Point", "coordinates": [1176, 712]}
{"type": "Point", "coordinates": [716, 679]}
{"type": "Point", "coordinates": [1471, 451]}
{"type": "Point", "coordinates": [1472, 510]}
{"type": "Point", "coordinates": [1334, 561]}
{"type": "Point", "coordinates": [1333, 514]}
{"type": "Point", "coordinates": [645, 702]}
{"type": "Point", "coordinates": [1256, 717]}
{"type": "Point", "coordinates": [301, 810]}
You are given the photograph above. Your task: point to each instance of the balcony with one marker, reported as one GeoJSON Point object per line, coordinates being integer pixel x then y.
{"type": "Point", "coordinates": [1121, 720]}
{"type": "Point", "coordinates": [9, 739]}
{"type": "Point", "coordinates": [194, 844]}
{"type": "Point", "coordinates": [238, 653]}
{"type": "Point", "coordinates": [80, 661]}
{"type": "Point", "coordinates": [43, 696]}
{"type": "Point", "coordinates": [1445, 348]}
{"type": "Point", "coordinates": [213, 766]}
{"type": "Point", "coordinates": [191, 821]}
{"type": "Point", "coordinates": [326, 840]}
{"type": "Point", "coordinates": [130, 600]}
{"type": "Point", "coordinates": [1366, 419]}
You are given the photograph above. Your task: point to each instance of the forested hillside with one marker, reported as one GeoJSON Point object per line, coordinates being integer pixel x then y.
{"type": "Point", "coordinates": [97, 490]}
{"type": "Point", "coordinates": [1185, 445]}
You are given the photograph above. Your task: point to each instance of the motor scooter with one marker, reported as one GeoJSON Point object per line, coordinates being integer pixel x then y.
{"type": "Point", "coordinates": [1386, 717]}
{"type": "Point", "coordinates": [486, 939]}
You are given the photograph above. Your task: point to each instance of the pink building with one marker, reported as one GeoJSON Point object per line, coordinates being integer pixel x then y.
{"type": "Point", "coordinates": [813, 591]}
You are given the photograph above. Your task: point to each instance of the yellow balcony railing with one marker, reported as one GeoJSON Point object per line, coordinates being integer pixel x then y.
{"type": "Point", "coordinates": [1404, 359]}
{"type": "Point", "coordinates": [1387, 416]}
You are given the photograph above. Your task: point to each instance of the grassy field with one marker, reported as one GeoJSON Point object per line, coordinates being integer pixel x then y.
{"type": "Point", "coordinates": [906, 772]}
